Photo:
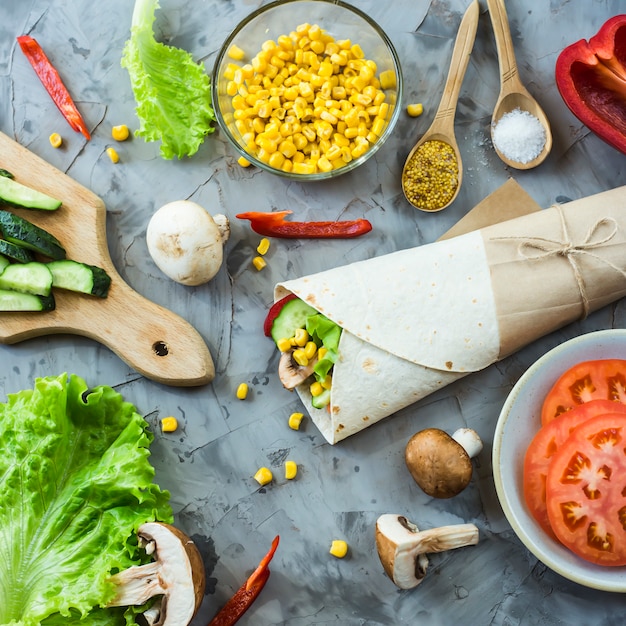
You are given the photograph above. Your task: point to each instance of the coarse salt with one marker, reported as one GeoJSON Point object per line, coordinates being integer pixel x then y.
{"type": "Point", "coordinates": [519, 136]}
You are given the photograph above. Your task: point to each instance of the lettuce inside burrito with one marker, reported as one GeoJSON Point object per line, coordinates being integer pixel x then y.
{"type": "Point", "coordinates": [75, 485]}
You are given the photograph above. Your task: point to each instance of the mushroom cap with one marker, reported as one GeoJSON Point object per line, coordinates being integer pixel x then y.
{"type": "Point", "coordinates": [438, 464]}
{"type": "Point", "coordinates": [185, 242]}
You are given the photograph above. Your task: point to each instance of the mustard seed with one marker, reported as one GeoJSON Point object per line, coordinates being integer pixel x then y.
{"type": "Point", "coordinates": [430, 178]}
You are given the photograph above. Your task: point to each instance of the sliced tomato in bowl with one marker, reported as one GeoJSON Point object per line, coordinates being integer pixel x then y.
{"type": "Point", "coordinates": [544, 446]}
{"type": "Point", "coordinates": [585, 490]}
{"type": "Point", "coordinates": [603, 379]}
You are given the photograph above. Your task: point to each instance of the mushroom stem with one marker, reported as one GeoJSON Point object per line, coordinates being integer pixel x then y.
{"type": "Point", "coordinates": [402, 547]}
{"type": "Point", "coordinates": [223, 226]}
{"type": "Point", "coordinates": [469, 440]}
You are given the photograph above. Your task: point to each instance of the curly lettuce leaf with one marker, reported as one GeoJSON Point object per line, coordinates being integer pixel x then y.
{"type": "Point", "coordinates": [172, 91]}
{"type": "Point", "coordinates": [75, 485]}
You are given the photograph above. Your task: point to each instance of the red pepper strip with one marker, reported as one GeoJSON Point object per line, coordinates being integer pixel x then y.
{"type": "Point", "coordinates": [273, 225]}
{"type": "Point", "coordinates": [51, 80]}
{"type": "Point", "coordinates": [591, 78]}
{"type": "Point", "coordinates": [247, 593]}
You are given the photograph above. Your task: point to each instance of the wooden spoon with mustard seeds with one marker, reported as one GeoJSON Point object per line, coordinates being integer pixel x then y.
{"type": "Point", "coordinates": [513, 94]}
{"type": "Point", "coordinates": [438, 149]}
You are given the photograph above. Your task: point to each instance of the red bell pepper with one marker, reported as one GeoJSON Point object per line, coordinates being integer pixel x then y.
{"type": "Point", "coordinates": [273, 225]}
{"type": "Point", "coordinates": [272, 314]}
{"type": "Point", "coordinates": [51, 80]}
{"type": "Point", "coordinates": [247, 593]}
{"type": "Point", "coordinates": [591, 78]}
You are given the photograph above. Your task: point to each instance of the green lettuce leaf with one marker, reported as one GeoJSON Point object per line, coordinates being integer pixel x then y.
{"type": "Point", "coordinates": [75, 485]}
{"type": "Point", "coordinates": [172, 91]}
{"type": "Point", "coordinates": [326, 333]}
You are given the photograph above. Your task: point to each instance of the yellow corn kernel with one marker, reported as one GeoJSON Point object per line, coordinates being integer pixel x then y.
{"type": "Point", "coordinates": [301, 337]}
{"type": "Point", "coordinates": [120, 133]}
{"type": "Point", "coordinates": [295, 420]}
{"type": "Point", "coordinates": [291, 469]}
{"type": "Point", "coordinates": [113, 155]}
{"type": "Point", "coordinates": [316, 389]}
{"type": "Point", "coordinates": [236, 53]}
{"type": "Point", "coordinates": [276, 160]}
{"type": "Point", "coordinates": [321, 353]}
{"type": "Point", "coordinates": [243, 162]}
{"type": "Point", "coordinates": [415, 110]}
{"type": "Point", "coordinates": [284, 344]}
{"type": "Point", "coordinates": [242, 391]}
{"type": "Point", "coordinates": [387, 79]}
{"type": "Point", "coordinates": [263, 476]}
{"type": "Point", "coordinates": [299, 357]}
{"type": "Point", "coordinates": [310, 349]}
{"type": "Point", "coordinates": [169, 424]}
{"type": "Point", "coordinates": [264, 246]}
{"type": "Point", "coordinates": [55, 140]}
{"type": "Point", "coordinates": [259, 263]}
{"type": "Point", "coordinates": [327, 383]}
{"type": "Point", "coordinates": [338, 548]}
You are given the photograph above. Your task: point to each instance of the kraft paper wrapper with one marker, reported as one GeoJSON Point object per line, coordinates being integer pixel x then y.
{"type": "Point", "coordinates": [474, 299]}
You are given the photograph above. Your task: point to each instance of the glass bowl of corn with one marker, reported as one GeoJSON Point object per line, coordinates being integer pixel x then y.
{"type": "Point", "coordinates": [307, 89]}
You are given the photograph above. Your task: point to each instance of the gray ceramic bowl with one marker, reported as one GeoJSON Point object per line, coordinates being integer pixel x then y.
{"type": "Point", "coordinates": [519, 420]}
{"type": "Point", "coordinates": [340, 21]}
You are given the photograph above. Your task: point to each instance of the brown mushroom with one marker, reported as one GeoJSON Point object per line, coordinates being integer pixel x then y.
{"type": "Point", "coordinates": [402, 547]}
{"type": "Point", "coordinates": [442, 464]}
{"type": "Point", "coordinates": [290, 373]}
{"type": "Point", "coordinates": [176, 575]}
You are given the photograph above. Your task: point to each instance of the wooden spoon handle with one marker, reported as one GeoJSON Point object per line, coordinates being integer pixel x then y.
{"type": "Point", "coordinates": [509, 78]}
{"type": "Point", "coordinates": [458, 64]}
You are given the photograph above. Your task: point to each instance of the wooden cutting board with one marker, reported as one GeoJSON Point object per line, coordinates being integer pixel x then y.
{"type": "Point", "coordinates": [157, 343]}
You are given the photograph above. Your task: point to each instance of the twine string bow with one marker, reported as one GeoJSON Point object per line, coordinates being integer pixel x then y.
{"type": "Point", "coordinates": [541, 248]}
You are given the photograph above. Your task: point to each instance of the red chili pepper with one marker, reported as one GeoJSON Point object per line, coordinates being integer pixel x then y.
{"type": "Point", "coordinates": [591, 78]}
{"type": "Point", "coordinates": [273, 225]}
{"type": "Point", "coordinates": [247, 593]}
{"type": "Point", "coordinates": [51, 80]}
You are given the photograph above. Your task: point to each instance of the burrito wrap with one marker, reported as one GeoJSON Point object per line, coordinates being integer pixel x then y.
{"type": "Point", "coordinates": [416, 320]}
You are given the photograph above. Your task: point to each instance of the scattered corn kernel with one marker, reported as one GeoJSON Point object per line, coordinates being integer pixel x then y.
{"type": "Point", "coordinates": [431, 176]}
{"type": "Point", "coordinates": [243, 162]}
{"type": "Point", "coordinates": [56, 140]}
{"type": "Point", "coordinates": [120, 133]}
{"type": "Point", "coordinates": [242, 391]}
{"type": "Point", "coordinates": [263, 476]}
{"type": "Point", "coordinates": [415, 110]}
{"type": "Point", "coordinates": [236, 53]}
{"type": "Point", "coordinates": [259, 262]}
{"type": "Point", "coordinates": [291, 469]}
{"type": "Point", "coordinates": [264, 246]}
{"type": "Point", "coordinates": [338, 548]}
{"type": "Point", "coordinates": [113, 155]}
{"type": "Point", "coordinates": [295, 420]}
{"type": "Point", "coordinates": [169, 424]}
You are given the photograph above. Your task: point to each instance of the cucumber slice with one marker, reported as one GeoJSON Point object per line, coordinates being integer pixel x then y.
{"type": "Point", "coordinates": [321, 401]}
{"type": "Point", "coordinates": [292, 316]}
{"type": "Point", "coordinates": [4, 263]}
{"type": "Point", "coordinates": [16, 194]}
{"type": "Point", "coordinates": [16, 301]}
{"type": "Point", "coordinates": [23, 233]}
{"type": "Point", "coordinates": [80, 277]}
{"type": "Point", "coordinates": [33, 277]}
{"type": "Point", "coordinates": [16, 253]}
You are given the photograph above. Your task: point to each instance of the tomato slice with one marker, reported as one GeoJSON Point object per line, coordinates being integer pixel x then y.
{"type": "Point", "coordinates": [543, 447]}
{"type": "Point", "coordinates": [585, 490]}
{"type": "Point", "coordinates": [590, 380]}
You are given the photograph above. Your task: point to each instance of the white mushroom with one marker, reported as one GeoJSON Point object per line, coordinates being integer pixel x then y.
{"type": "Point", "coordinates": [442, 464]}
{"type": "Point", "coordinates": [177, 576]}
{"type": "Point", "coordinates": [402, 547]}
{"type": "Point", "coordinates": [186, 242]}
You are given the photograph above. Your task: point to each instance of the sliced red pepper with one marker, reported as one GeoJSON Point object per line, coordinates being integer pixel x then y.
{"type": "Point", "coordinates": [274, 225]}
{"type": "Point", "coordinates": [591, 78]}
{"type": "Point", "coordinates": [272, 314]}
{"type": "Point", "coordinates": [51, 80]}
{"type": "Point", "coordinates": [247, 593]}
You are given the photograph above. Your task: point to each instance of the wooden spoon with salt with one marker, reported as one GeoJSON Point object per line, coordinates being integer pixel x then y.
{"type": "Point", "coordinates": [513, 94]}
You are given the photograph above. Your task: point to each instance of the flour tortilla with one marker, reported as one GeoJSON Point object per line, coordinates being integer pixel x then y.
{"type": "Point", "coordinates": [413, 321]}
